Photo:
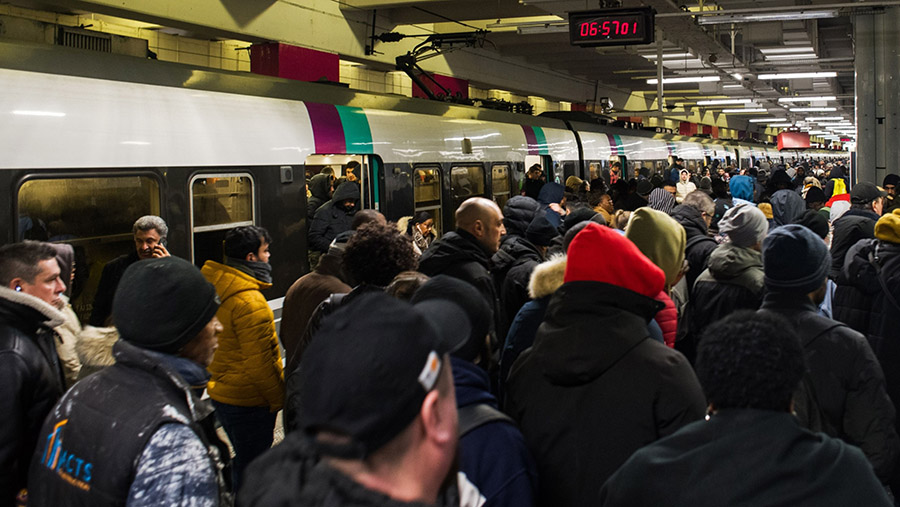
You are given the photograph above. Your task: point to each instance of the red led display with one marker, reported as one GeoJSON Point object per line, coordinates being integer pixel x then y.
{"type": "Point", "coordinates": [611, 27]}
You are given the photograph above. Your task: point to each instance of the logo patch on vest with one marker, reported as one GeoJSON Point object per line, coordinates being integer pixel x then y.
{"type": "Point", "coordinates": [67, 465]}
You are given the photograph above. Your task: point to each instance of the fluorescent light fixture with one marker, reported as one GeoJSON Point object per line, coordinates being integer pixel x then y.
{"type": "Point", "coordinates": [799, 56]}
{"type": "Point", "coordinates": [719, 102]}
{"type": "Point", "coordinates": [818, 132]}
{"type": "Point", "coordinates": [797, 75]}
{"type": "Point", "coordinates": [807, 99]}
{"type": "Point", "coordinates": [762, 18]}
{"type": "Point", "coordinates": [779, 125]}
{"type": "Point", "coordinates": [739, 77]}
{"type": "Point", "coordinates": [732, 86]}
{"type": "Point", "coordinates": [783, 50]}
{"type": "Point", "coordinates": [812, 109]}
{"type": "Point", "coordinates": [51, 114]}
{"type": "Point", "coordinates": [766, 120]}
{"type": "Point", "coordinates": [666, 56]}
{"type": "Point", "coordinates": [697, 79]}
{"type": "Point", "coordinates": [136, 143]}
{"type": "Point", "coordinates": [547, 28]}
{"type": "Point", "coordinates": [743, 111]}
{"type": "Point", "coordinates": [824, 118]}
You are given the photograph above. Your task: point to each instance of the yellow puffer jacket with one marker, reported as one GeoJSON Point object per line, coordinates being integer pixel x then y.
{"type": "Point", "coordinates": [246, 370]}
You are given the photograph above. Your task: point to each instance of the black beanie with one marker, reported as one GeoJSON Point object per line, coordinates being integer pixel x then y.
{"type": "Point", "coordinates": [814, 221]}
{"type": "Point", "coordinates": [473, 304]}
{"type": "Point", "coordinates": [162, 304]}
{"type": "Point", "coordinates": [577, 215]}
{"type": "Point", "coordinates": [815, 194]}
{"type": "Point", "coordinates": [540, 231]}
{"type": "Point", "coordinates": [794, 260]}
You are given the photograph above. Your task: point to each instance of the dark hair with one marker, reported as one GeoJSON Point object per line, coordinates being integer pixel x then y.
{"type": "Point", "coordinates": [595, 197]}
{"type": "Point", "coordinates": [377, 253]}
{"type": "Point", "coordinates": [20, 260]}
{"type": "Point", "coordinates": [241, 241]}
{"type": "Point", "coordinates": [365, 216]}
{"type": "Point", "coordinates": [405, 284]}
{"type": "Point", "coordinates": [750, 360]}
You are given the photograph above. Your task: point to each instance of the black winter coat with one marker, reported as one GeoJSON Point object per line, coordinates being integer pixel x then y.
{"type": "Point", "coordinates": [331, 220]}
{"type": "Point", "coordinates": [853, 226]}
{"type": "Point", "coordinates": [109, 282]}
{"type": "Point", "coordinates": [733, 281]}
{"type": "Point", "coordinates": [594, 388]}
{"type": "Point", "coordinates": [699, 245]}
{"type": "Point", "coordinates": [512, 267]}
{"type": "Point", "coordinates": [745, 457]}
{"type": "Point", "coordinates": [518, 212]}
{"type": "Point", "coordinates": [845, 381]}
{"type": "Point", "coordinates": [319, 189]}
{"type": "Point", "coordinates": [32, 381]}
{"type": "Point", "coordinates": [460, 255]}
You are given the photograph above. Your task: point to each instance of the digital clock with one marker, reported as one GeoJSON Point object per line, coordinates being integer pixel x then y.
{"type": "Point", "coordinates": [611, 27]}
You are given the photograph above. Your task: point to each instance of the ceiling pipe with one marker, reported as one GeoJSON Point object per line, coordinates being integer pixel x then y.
{"type": "Point", "coordinates": [788, 9]}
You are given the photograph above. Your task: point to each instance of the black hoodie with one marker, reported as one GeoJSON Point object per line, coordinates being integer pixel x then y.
{"type": "Point", "coordinates": [320, 193]}
{"type": "Point", "coordinates": [331, 219]}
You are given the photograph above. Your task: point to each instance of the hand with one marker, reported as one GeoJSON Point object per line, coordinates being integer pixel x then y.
{"type": "Point", "coordinates": [558, 209]}
{"type": "Point", "coordinates": [160, 251]}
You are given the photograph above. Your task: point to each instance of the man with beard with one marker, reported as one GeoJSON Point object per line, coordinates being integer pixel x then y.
{"type": "Point", "coordinates": [150, 233]}
{"type": "Point", "coordinates": [378, 421]}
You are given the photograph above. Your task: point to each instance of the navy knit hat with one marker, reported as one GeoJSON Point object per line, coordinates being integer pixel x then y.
{"type": "Point", "coordinates": [794, 260]}
{"type": "Point", "coordinates": [162, 304]}
{"type": "Point", "coordinates": [541, 232]}
{"type": "Point", "coordinates": [577, 215]}
{"type": "Point", "coordinates": [473, 304]}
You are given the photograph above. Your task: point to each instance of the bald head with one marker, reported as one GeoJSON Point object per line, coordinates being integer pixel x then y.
{"type": "Point", "coordinates": [483, 219]}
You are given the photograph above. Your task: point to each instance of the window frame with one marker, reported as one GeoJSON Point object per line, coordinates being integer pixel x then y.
{"type": "Point", "coordinates": [192, 230]}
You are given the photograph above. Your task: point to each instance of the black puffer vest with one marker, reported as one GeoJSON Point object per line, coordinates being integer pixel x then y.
{"type": "Point", "coordinates": [91, 442]}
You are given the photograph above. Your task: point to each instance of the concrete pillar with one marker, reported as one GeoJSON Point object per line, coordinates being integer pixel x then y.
{"type": "Point", "coordinates": [877, 88]}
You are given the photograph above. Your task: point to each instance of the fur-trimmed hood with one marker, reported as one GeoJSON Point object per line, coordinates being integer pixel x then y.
{"type": "Point", "coordinates": [94, 346]}
{"type": "Point", "coordinates": [547, 277]}
{"type": "Point", "coordinates": [52, 316]}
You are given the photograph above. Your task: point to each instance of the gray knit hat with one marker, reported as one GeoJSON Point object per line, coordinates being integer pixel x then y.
{"type": "Point", "coordinates": [745, 225]}
{"type": "Point", "coordinates": [795, 259]}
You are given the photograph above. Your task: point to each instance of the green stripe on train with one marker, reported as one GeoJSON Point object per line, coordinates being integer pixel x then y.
{"type": "Point", "coordinates": [541, 140]}
{"type": "Point", "coordinates": [357, 134]}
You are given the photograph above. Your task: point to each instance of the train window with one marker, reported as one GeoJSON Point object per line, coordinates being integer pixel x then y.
{"type": "Point", "coordinates": [94, 215]}
{"type": "Point", "coordinates": [427, 192]}
{"type": "Point", "coordinates": [467, 181]}
{"type": "Point", "coordinates": [219, 202]}
{"type": "Point", "coordinates": [595, 170]}
{"type": "Point", "coordinates": [559, 173]}
{"type": "Point", "coordinates": [500, 184]}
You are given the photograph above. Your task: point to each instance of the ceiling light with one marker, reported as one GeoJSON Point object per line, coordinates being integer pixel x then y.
{"type": "Point", "coordinates": [807, 99]}
{"type": "Point", "coordinates": [799, 56]}
{"type": "Point", "coordinates": [778, 125]}
{"type": "Point", "coordinates": [818, 132]}
{"type": "Point", "coordinates": [824, 118]}
{"type": "Point", "coordinates": [739, 77]}
{"type": "Point", "coordinates": [760, 18]}
{"type": "Point", "coordinates": [783, 50]}
{"type": "Point", "coordinates": [732, 86]}
{"type": "Point", "coordinates": [747, 110]}
{"type": "Point", "coordinates": [52, 114]}
{"type": "Point", "coordinates": [812, 109]}
{"type": "Point", "coordinates": [764, 120]}
{"type": "Point", "coordinates": [718, 102]}
{"type": "Point", "coordinates": [797, 75]}
{"type": "Point", "coordinates": [652, 56]}
{"type": "Point", "coordinates": [697, 79]}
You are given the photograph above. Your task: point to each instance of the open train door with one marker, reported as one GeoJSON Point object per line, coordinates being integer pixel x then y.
{"type": "Point", "coordinates": [364, 170]}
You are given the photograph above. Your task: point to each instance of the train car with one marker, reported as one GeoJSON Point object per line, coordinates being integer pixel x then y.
{"type": "Point", "coordinates": [91, 142]}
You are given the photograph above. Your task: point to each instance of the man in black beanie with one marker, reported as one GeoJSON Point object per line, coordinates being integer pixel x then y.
{"type": "Point", "coordinates": [493, 454]}
{"type": "Point", "coordinates": [843, 393]}
{"type": "Point", "coordinates": [137, 432]}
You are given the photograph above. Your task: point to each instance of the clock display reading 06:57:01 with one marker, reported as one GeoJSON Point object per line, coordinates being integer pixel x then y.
{"type": "Point", "coordinates": [611, 27]}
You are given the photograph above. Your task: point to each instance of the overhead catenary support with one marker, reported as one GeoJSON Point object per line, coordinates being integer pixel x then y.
{"type": "Point", "coordinates": [660, 102]}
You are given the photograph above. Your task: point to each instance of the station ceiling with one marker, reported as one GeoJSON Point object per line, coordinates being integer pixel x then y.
{"type": "Point", "coordinates": [725, 38]}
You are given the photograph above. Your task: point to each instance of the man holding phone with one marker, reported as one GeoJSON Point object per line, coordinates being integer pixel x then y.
{"type": "Point", "coordinates": [150, 233]}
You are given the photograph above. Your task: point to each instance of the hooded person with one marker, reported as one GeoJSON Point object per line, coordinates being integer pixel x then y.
{"type": "Point", "coordinates": [741, 188]}
{"type": "Point", "coordinates": [334, 217]}
{"type": "Point", "coordinates": [138, 430]}
{"type": "Point", "coordinates": [844, 392]}
{"type": "Point", "coordinates": [866, 204]}
{"type": "Point", "coordinates": [594, 345]}
{"type": "Point", "coordinates": [662, 200]}
{"type": "Point", "coordinates": [750, 449]}
{"type": "Point", "coordinates": [518, 213]}
{"type": "Point", "coordinates": [639, 198]}
{"type": "Point", "coordinates": [662, 240]}
{"type": "Point", "coordinates": [837, 182]}
{"type": "Point", "coordinates": [492, 450]}
{"type": "Point", "coordinates": [552, 200]}
{"type": "Point", "coordinates": [320, 192]}
{"type": "Point", "coordinates": [684, 186]}
{"type": "Point", "coordinates": [891, 200]}
{"type": "Point", "coordinates": [733, 281]}
{"type": "Point", "coordinates": [787, 206]}
{"type": "Point", "coordinates": [69, 330]}
{"type": "Point", "coordinates": [513, 288]}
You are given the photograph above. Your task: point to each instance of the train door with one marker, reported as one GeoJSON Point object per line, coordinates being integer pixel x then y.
{"type": "Point", "coordinates": [364, 170]}
{"type": "Point", "coordinates": [218, 202]}
{"type": "Point", "coordinates": [427, 194]}
{"type": "Point", "coordinates": [466, 180]}
{"type": "Point", "coordinates": [501, 183]}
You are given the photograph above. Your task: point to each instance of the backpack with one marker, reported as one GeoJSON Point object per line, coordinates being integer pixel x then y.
{"type": "Point", "coordinates": [840, 187]}
{"type": "Point", "coordinates": [477, 415]}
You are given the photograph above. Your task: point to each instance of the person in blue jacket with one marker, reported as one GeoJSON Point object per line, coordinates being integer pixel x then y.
{"type": "Point", "coordinates": [553, 202]}
{"type": "Point", "coordinates": [492, 451]}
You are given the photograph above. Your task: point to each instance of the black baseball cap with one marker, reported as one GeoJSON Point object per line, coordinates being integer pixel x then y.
{"type": "Point", "coordinates": [865, 192]}
{"type": "Point", "coordinates": [370, 366]}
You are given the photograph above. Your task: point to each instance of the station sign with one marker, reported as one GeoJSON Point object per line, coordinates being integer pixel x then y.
{"type": "Point", "coordinates": [612, 27]}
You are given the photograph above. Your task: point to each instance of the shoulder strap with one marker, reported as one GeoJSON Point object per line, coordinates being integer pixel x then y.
{"type": "Point", "coordinates": [697, 239]}
{"type": "Point", "coordinates": [884, 287]}
{"type": "Point", "coordinates": [477, 415]}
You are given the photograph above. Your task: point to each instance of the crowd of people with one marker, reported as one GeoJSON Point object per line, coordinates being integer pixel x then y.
{"type": "Point", "coordinates": [692, 337]}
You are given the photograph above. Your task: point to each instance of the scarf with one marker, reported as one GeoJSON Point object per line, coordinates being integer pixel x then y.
{"type": "Point", "coordinates": [262, 271]}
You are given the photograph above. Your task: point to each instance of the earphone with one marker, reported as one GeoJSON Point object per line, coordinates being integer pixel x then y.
{"type": "Point", "coordinates": [18, 288]}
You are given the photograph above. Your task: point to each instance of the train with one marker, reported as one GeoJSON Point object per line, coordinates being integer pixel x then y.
{"type": "Point", "coordinates": [90, 142]}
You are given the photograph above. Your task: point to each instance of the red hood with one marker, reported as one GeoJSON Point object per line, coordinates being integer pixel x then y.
{"type": "Point", "coordinates": [599, 254]}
